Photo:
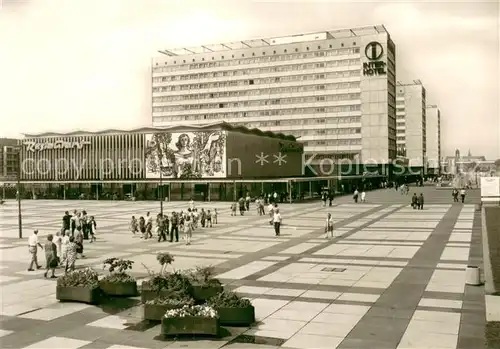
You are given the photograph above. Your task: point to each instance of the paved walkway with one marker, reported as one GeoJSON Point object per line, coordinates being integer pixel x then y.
{"type": "Point", "coordinates": [394, 278]}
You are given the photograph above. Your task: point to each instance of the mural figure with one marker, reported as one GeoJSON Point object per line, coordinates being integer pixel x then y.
{"type": "Point", "coordinates": [186, 155]}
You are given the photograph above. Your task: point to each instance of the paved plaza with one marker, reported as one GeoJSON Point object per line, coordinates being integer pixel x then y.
{"type": "Point", "coordinates": [394, 277]}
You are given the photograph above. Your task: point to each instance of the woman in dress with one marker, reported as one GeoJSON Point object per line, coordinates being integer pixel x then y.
{"type": "Point", "coordinates": [50, 257]}
{"type": "Point", "coordinates": [64, 246]}
{"type": "Point", "coordinates": [71, 254]}
{"type": "Point", "coordinates": [79, 243]}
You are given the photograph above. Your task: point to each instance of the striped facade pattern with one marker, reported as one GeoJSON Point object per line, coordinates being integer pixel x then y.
{"type": "Point", "coordinates": [110, 156]}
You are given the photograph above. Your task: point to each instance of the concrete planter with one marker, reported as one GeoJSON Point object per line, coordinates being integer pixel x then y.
{"type": "Point", "coordinates": [155, 312]}
{"type": "Point", "coordinates": [189, 325]}
{"type": "Point", "coordinates": [236, 316]}
{"type": "Point", "coordinates": [78, 294]}
{"type": "Point", "coordinates": [120, 289]}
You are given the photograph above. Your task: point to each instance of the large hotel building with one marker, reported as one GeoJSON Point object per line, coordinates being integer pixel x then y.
{"type": "Point", "coordinates": [334, 90]}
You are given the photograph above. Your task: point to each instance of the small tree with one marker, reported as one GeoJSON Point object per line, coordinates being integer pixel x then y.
{"type": "Point", "coordinates": [165, 259]}
{"type": "Point", "coordinates": [117, 265]}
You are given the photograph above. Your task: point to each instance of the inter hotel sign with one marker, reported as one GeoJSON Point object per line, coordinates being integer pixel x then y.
{"type": "Point", "coordinates": [374, 52]}
{"type": "Point", "coordinates": [36, 147]}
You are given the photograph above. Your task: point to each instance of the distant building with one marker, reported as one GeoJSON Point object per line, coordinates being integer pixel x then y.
{"type": "Point", "coordinates": [9, 166]}
{"type": "Point", "coordinates": [460, 164]}
{"type": "Point", "coordinates": [8, 159]}
{"type": "Point", "coordinates": [411, 123]}
{"type": "Point", "coordinates": [433, 139]}
{"type": "Point", "coordinates": [333, 90]}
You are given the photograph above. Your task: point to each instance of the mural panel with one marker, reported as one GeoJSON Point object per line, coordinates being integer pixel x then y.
{"type": "Point", "coordinates": [186, 155]}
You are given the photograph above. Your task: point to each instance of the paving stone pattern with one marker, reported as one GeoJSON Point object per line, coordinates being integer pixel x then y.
{"type": "Point", "coordinates": [392, 278]}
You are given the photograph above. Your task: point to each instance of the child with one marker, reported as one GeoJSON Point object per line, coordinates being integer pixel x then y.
{"type": "Point", "coordinates": [133, 225]}
{"type": "Point", "coordinates": [209, 219]}
{"type": "Point", "coordinates": [233, 209]}
{"type": "Point", "coordinates": [215, 216]}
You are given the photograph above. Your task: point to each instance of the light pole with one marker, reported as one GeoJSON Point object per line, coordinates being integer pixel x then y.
{"type": "Point", "coordinates": [19, 216]}
{"type": "Point", "coordinates": [161, 187]}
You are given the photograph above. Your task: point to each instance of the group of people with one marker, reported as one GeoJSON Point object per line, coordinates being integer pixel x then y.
{"type": "Point", "coordinates": [455, 194]}
{"type": "Point", "coordinates": [63, 248]}
{"type": "Point", "coordinates": [417, 202]}
{"type": "Point", "coordinates": [169, 225]}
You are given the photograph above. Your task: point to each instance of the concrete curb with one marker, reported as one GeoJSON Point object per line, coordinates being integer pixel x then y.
{"type": "Point", "coordinates": [489, 286]}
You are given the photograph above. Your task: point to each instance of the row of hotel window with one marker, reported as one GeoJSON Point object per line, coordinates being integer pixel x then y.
{"type": "Point", "coordinates": [260, 102]}
{"type": "Point", "coordinates": [253, 60]}
{"type": "Point", "coordinates": [260, 113]}
{"type": "Point", "coordinates": [257, 92]}
{"type": "Point", "coordinates": [332, 142]}
{"type": "Point", "coordinates": [300, 122]}
{"type": "Point", "coordinates": [261, 70]}
{"type": "Point", "coordinates": [292, 122]}
{"type": "Point", "coordinates": [257, 81]}
{"type": "Point", "coordinates": [319, 132]}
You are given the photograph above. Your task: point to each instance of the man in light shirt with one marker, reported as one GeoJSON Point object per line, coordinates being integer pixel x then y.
{"type": "Point", "coordinates": [33, 244]}
{"type": "Point", "coordinates": [277, 221]}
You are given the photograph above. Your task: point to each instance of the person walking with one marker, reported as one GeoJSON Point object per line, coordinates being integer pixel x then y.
{"type": "Point", "coordinates": [277, 219]}
{"type": "Point", "coordinates": [64, 247]}
{"type": "Point", "coordinates": [355, 196]}
{"type": "Point", "coordinates": [71, 255]}
{"type": "Point", "coordinates": [174, 229]}
{"type": "Point", "coordinates": [421, 201]}
{"type": "Point", "coordinates": [188, 230]}
{"type": "Point", "coordinates": [51, 258]}
{"type": "Point", "coordinates": [58, 241]}
{"type": "Point", "coordinates": [33, 244]}
{"type": "Point", "coordinates": [363, 196]}
{"type": "Point", "coordinates": [414, 201]}
{"type": "Point", "coordinates": [462, 195]}
{"type": "Point", "coordinates": [329, 226]}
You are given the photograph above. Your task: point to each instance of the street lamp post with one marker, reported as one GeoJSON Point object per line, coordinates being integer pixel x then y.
{"type": "Point", "coordinates": [19, 216]}
{"type": "Point", "coordinates": [161, 185]}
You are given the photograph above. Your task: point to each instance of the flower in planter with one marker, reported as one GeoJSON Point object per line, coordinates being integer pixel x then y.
{"type": "Point", "coordinates": [117, 270]}
{"type": "Point", "coordinates": [196, 310]}
{"type": "Point", "coordinates": [79, 278]}
{"type": "Point", "coordinates": [228, 299]}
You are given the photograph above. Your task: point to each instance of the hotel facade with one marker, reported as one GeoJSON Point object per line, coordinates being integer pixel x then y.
{"type": "Point", "coordinates": [411, 125]}
{"type": "Point", "coordinates": [334, 90]}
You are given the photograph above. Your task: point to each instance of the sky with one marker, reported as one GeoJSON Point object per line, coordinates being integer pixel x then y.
{"type": "Point", "coordinates": [85, 64]}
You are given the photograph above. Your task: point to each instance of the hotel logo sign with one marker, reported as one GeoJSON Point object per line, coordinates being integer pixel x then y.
{"type": "Point", "coordinates": [374, 52]}
{"type": "Point", "coordinates": [41, 146]}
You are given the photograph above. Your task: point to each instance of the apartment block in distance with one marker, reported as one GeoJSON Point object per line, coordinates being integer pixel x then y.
{"type": "Point", "coordinates": [333, 90]}
{"type": "Point", "coordinates": [411, 124]}
{"type": "Point", "coordinates": [433, 138]}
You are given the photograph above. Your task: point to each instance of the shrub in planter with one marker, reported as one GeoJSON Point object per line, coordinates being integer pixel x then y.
{"type": "Point", "coordinates": [155, 309]}
{"type": "Point", "coordinates": [79, 286]}
{"type": "Point", "coordinates": [118, 282]}
{"type": "Point", "coordinates": [204, 285]}
{"type": "Point", "coordinates": [190, 320]}
{"type": "Point", "coordinates": [164, 283]}
{"type": "Point", "coordinates": [232, 309]}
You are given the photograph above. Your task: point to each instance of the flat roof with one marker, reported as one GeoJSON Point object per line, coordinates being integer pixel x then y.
{"type": "Point", "coordinates": [221, 125]}
{"type": "Point", "coordinates": [271, 41]}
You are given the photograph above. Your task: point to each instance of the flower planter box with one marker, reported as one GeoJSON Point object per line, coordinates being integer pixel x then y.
{"type": "Point", "coordinates": [121, 289]}
{"type": "Point", "coordinates": [236, 316]}
{"type": "Point", "coordinates": [148, 294]}
{"type": "Point", "coordinates": [189, 325]}
{"type": "Point", "coordinates": [201, 293]}
{"type": "Point", "coordinates": [78, 294]}
{"type": "Point", "coordinates": [155, 312]}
